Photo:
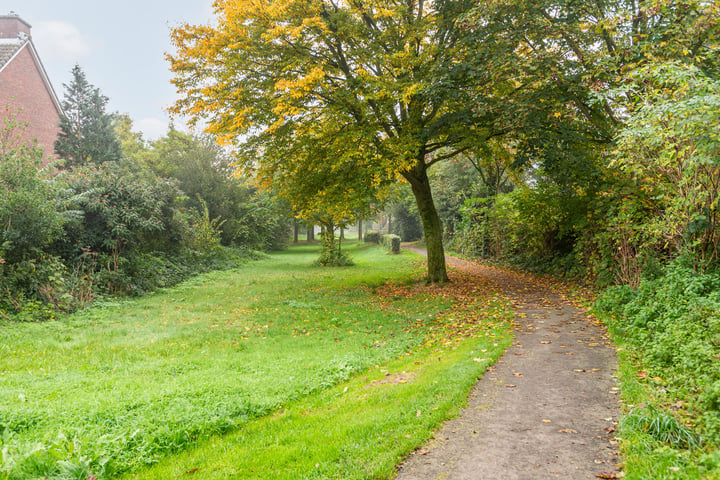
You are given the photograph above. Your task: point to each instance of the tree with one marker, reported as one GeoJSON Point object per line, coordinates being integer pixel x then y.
{"type": "Point", "coordinates": [556, 66]}
{"type": "Point", "coordinates": [87, 134]}
{"type": "Point", "coordinates": [331, 193]}
{"type": "Point", "coordinates": [554, 79]}
{"type": "Point", "coordinates": [385, 86]}
{"type": "Point", "coordinates": [132, 144]}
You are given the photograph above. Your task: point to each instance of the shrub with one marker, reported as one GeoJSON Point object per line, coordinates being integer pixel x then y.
{"type": "Point", "coordinates": [29, 216]}
{"type": "Point", "coordinates": [205, 173]}
{"type": "Point", "coordinates": [125, 207]}
{"type": "Point", "coordinates": [206, 232]}
{"type": "Point", "coordinates": [391, 243]}
{"type": "Point", "coordinates": [406, 221]}
{"type": "Point", "coordinates": [331, 254]}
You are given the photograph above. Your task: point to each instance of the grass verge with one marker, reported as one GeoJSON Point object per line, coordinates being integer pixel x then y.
{"type": "Point", "coordinates": [315, 355]}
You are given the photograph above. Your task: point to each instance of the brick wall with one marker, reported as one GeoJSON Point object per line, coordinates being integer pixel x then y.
{"type": "Point", "coordinates": [22, 86]}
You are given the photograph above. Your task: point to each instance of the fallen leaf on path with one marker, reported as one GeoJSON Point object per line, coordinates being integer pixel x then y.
{"type": "Point", "coordinates": [545, 342]}
{"type": "Point", "coordinates": [567, 430]}
{"type": "Point", "coordinates": [545, 420]}
{"type": "Point", "coordinates": [607, 475]}
{"type": "Point", "coordinates": [510, 385]}
{"type": "Point", "coordinates": [517, 374]}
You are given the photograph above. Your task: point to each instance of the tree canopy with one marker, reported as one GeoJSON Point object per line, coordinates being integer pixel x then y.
{"type": "Point", "coordinates": [384, 89]}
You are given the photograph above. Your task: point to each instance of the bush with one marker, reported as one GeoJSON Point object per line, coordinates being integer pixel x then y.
{"type": "Point", "coordinates": [124, 208]}
{"type": "Point", "coordinates": [331, 254]}
{"type": "Point", "coordinates": [391, 243]}
{"type": "Point", "coordinates": [29, 216]}
{"type": "Point", "coordinates": [205, 173]}
{"type": "Point", "coordinates": [672, 323]}
{"type": "Point", "coordinates": [372, 236]}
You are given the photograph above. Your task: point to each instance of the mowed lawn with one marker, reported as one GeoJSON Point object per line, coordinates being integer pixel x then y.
{"type": "Point", "coordinates": [276, 369]}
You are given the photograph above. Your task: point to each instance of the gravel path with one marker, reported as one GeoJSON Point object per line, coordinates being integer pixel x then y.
{"type": "Point", "coordinates": [546, 410]}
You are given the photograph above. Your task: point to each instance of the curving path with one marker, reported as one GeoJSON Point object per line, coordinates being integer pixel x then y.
{"type": "Point", "coordinates": [546, 410]}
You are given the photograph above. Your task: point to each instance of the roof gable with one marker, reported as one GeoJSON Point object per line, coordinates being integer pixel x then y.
{"type": "Point", "coordinates": [10, 49]}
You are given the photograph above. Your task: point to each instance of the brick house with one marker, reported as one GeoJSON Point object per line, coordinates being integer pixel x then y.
{"type": "Point", "coordinates": [24, 85]}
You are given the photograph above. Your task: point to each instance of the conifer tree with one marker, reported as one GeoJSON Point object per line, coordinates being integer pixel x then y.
{"type": "Point", "coordinates": [87, 134]}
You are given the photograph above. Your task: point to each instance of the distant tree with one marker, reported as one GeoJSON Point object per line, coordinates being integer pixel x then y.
{"type": "Point", "coordinates": [87, 134]}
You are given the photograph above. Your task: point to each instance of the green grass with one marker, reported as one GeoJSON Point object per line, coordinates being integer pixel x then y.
{"type": "Point", "coordinates": [243, 373]}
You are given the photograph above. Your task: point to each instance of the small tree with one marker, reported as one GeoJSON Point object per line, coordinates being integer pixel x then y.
{"type": "Point", "coordinates": [87, 134]}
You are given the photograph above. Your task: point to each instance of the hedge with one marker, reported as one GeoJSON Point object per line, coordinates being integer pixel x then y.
{"type": "Point", "coordinates": [391, 243]}
{"type": "Point", "coordinates": [372, 236]}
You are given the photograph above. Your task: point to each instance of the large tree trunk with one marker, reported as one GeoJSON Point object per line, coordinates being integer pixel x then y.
{"type": "Point", "coordinates": [360, 231]}
{"type": "Point", "coordinates": [437, 273]}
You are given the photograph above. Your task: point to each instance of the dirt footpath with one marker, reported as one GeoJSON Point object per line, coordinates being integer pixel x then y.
{"type": "Point", "coordinates": [545, 410]}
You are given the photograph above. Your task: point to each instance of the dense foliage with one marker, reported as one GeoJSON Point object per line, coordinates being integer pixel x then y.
{"type": "Point", "coordinates": [206, 176]}
{"type": "Point", "coordinates": [164, 211]}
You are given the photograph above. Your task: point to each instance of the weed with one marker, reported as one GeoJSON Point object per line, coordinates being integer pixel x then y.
{"type": "Point", "coordinates": [661, 426]}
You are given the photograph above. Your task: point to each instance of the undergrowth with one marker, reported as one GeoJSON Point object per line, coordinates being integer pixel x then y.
{"type": "Point", "coordinates": [668, 331]}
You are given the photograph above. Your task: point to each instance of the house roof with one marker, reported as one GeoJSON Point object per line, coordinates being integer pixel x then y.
{"type": "Point", "coordinates": [8, 49]}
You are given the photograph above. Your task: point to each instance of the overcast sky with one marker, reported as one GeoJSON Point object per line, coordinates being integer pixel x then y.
{"type": "Point", "coordinates": [119, 45]}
